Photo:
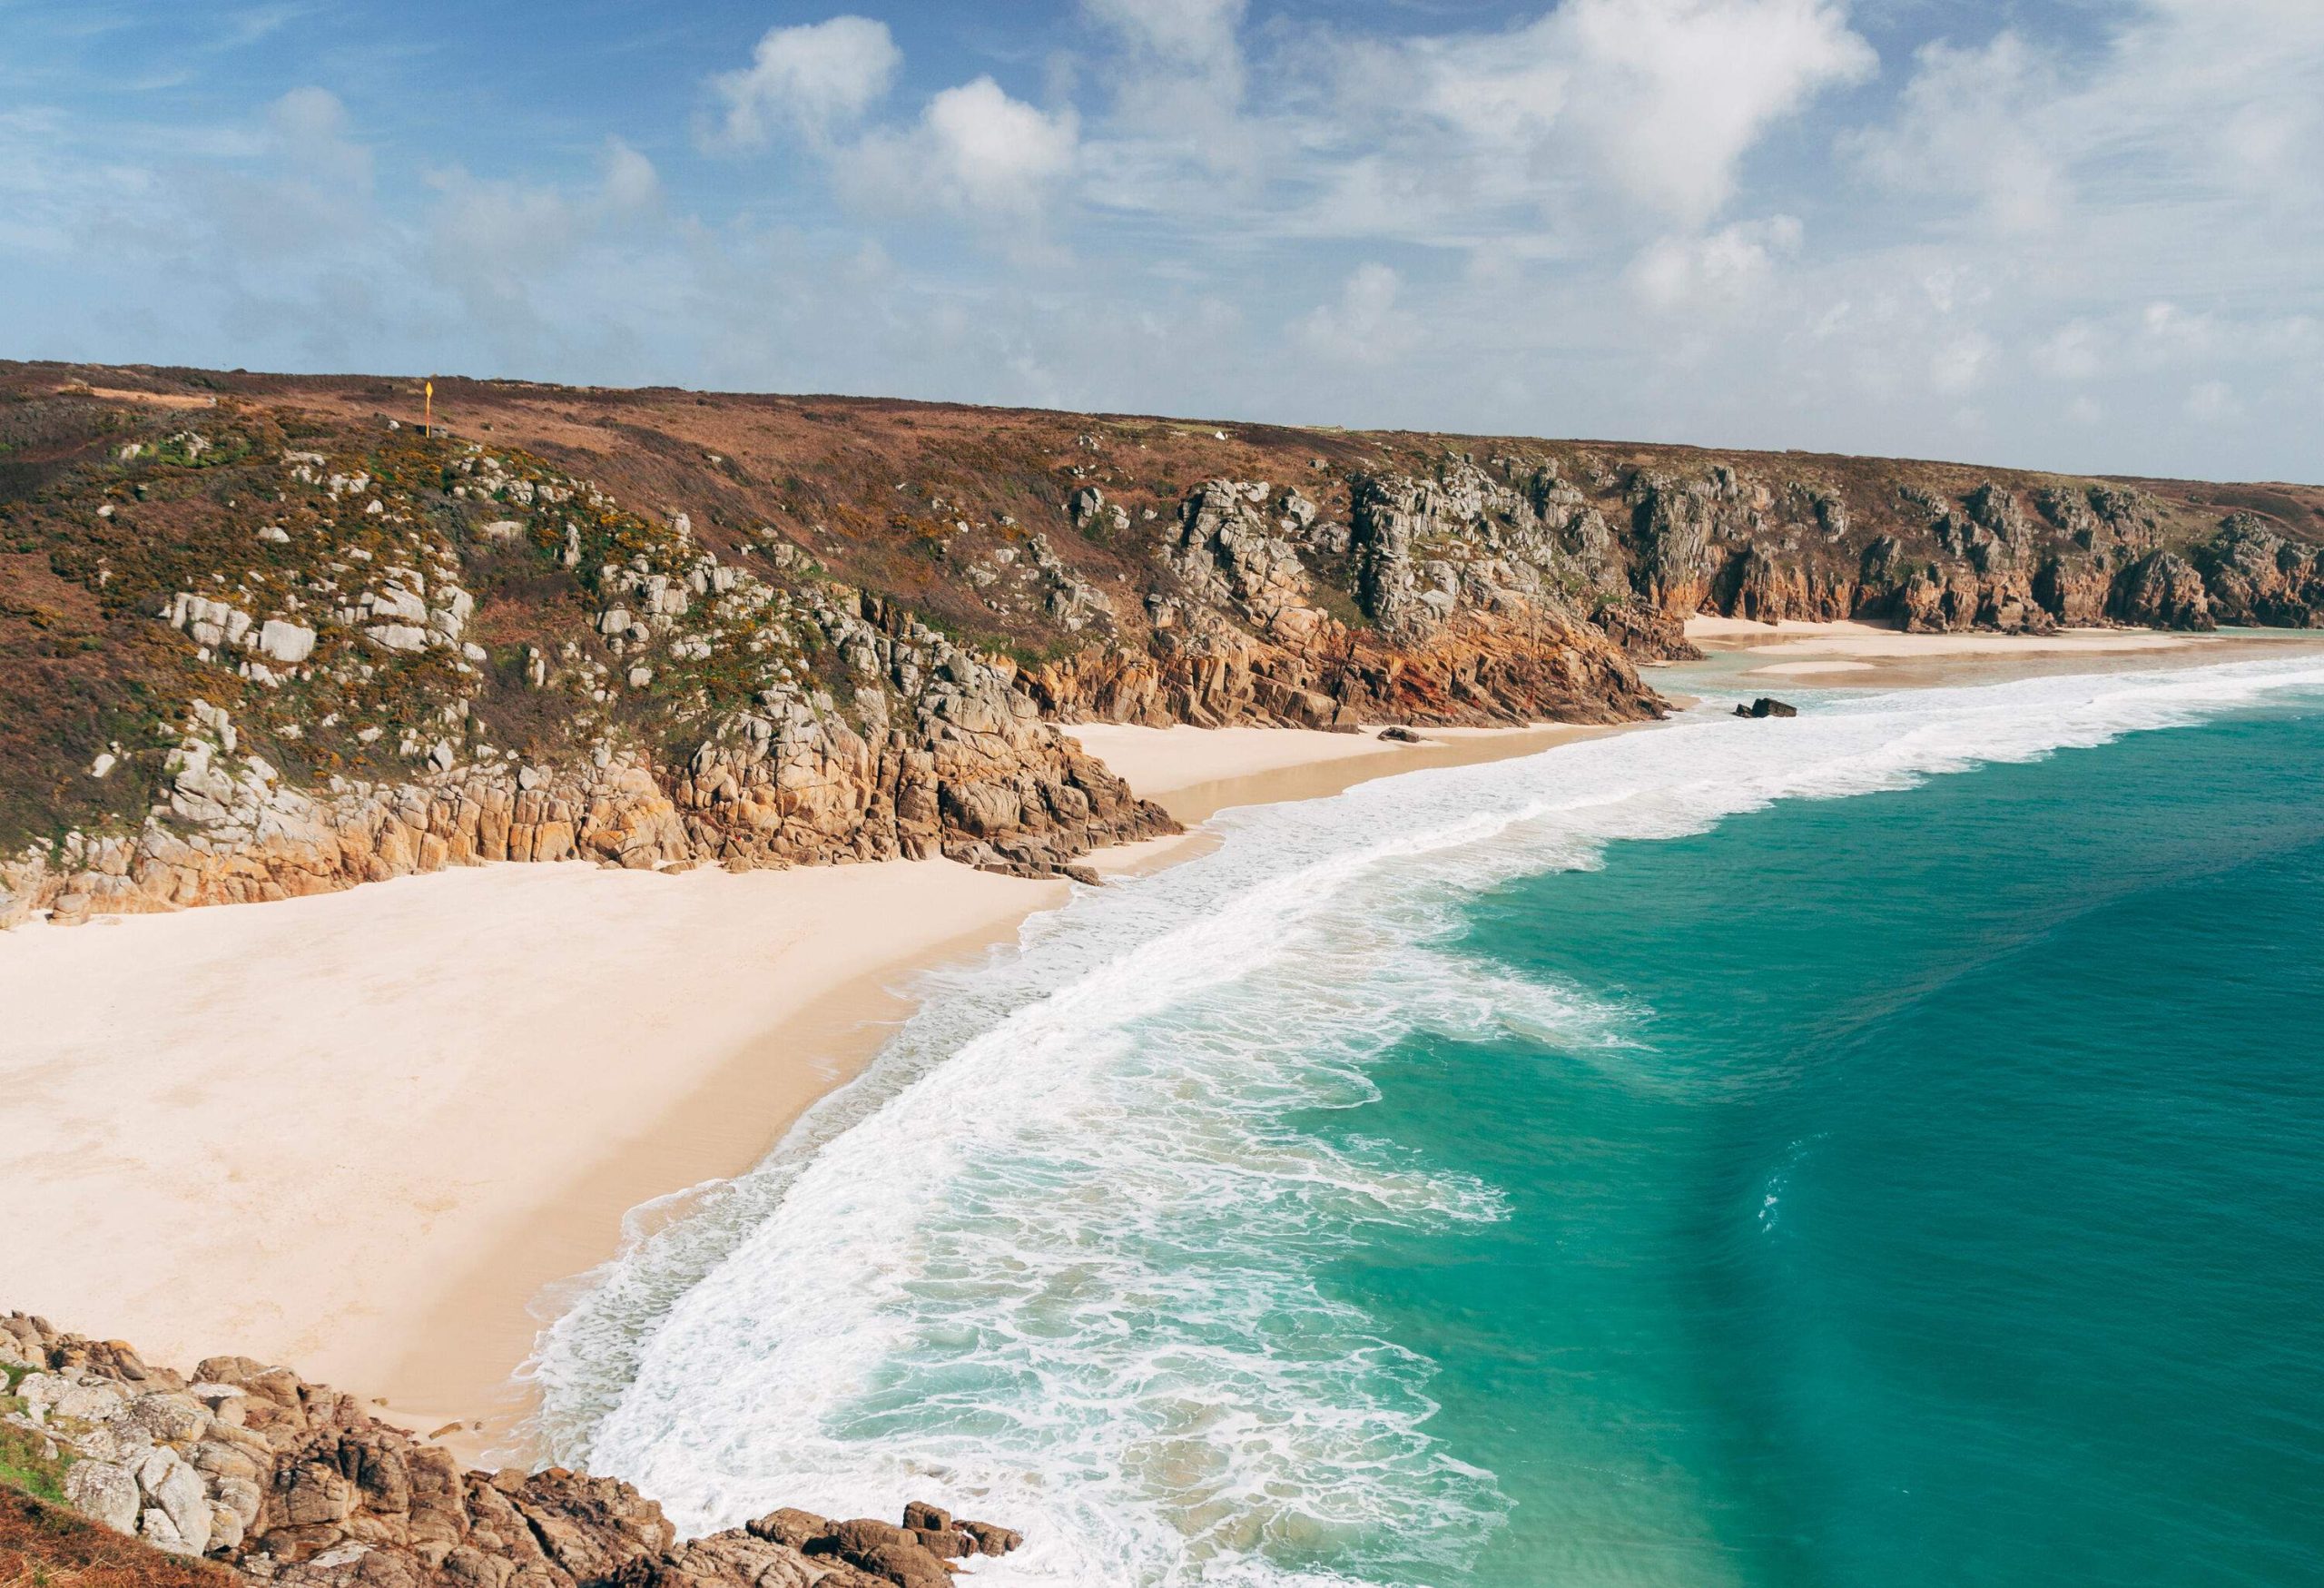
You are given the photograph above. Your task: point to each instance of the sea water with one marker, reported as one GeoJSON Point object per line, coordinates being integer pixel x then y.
{"type": "Point", "coordinates": [1882, 1148]}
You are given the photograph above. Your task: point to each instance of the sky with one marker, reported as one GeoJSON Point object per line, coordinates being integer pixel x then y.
{"type": "Point", "coordinates": [2080, 234]}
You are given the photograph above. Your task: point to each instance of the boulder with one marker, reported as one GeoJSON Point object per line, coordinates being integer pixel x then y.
{"type": "Point", "coordinates": [1766, 706]}
{"type": "Point", "coordinates": [907, 1565]}
{"type": "Point", "coordinates": [105, 1492]}
{"type": "Point", "coordinates": [288, 643]}
{"type": "Point", "coordinates": [173, 1491]}
{"type": "Point", "coordinates": [794, 1529]}
{"type": "Point", "coordinates": [989, 1539]}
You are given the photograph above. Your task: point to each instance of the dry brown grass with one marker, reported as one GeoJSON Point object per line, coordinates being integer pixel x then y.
{"type": "Point", "coordinates": [46, 1546]}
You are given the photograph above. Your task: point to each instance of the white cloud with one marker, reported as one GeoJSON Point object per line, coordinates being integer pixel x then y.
{"type": "Point", "coordinates": [2074, 351]}
{"type": "Point", "coordinates": [313, 132]}
{"type": "Point", "coordinates": [814, 79]}
{"type": "Point", "coordinates": [1594, 114]}
{"type": "Point", "coordinates": [2212, 402]}
{"type": "Point", "coordinates": [628, 180]}
{"type": "Point", "coordinates": [975, 153]}
{"type": "Point", "coordinates": [996, 150]}
{"type": "Point", "coordinates": [2170, 328]}
{"type": "Point", "coordinates": [1196, 31]}
{"type": "Point", "coordinates": [2067, 244]}
{"type": "Point", "coordinates": [1962, 363]}
{"type": "Point", "coordinates": [1364, 326]}
{"type": "Point", "coordinates": [493, 242]}
{"type": "Point", "coordinates": [1674, 93]}
{"type": "Point", "coordinates": [1662, 98]}
{"type": "Point", "coordinates": [1971, 126]}
{"type": "Point", "coordinates": [1726, 268]}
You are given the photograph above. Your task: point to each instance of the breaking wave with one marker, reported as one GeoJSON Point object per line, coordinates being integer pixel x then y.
{"type": "Point", "coordinates": [1054, 1260]}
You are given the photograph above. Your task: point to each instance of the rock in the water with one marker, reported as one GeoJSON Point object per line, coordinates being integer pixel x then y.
{"type": "Point", "coordinates": [1766, 706]}
{"type": "Point", "coordinates": [990, 1540]}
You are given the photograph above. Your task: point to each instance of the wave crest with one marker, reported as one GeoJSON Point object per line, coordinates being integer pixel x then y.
{"type": "Point", "coordinates": [1055, 1259]}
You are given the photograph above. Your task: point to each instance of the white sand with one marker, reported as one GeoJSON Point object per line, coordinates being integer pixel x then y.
{"type": "Point", "coordinates": [1159, 761]}
{"type": "Point", "coordinates": [1195, 773]}
{"type": "Point", "coordinates": [1700, 628]}
{"type": "Point", "coordinates": [358, 1133]}
{"type": "Point", "coordinates": [1863, 641]}
{"type": "Point", "coordinates": [363, 1134]}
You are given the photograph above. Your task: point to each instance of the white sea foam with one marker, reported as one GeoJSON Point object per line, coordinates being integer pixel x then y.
{"type": "Point", "coordinates": [1055, 1260]}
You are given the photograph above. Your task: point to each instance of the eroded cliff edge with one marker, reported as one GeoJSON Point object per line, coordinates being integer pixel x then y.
{"type": "Point", "coordinates": [260, 636]}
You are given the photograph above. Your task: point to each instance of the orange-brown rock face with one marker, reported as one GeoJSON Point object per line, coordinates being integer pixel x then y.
{"type": "Point", "coordinates": [285, 1482]}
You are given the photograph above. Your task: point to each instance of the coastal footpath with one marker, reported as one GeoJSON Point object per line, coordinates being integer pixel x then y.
{"type": "Point", "coordinates": [290, 1482]}
{"type": "Point", "coordinates": [265, 636]}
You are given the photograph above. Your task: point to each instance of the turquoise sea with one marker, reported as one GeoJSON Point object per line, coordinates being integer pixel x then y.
{"type": "Point", "coordinates": [1884, 1148]}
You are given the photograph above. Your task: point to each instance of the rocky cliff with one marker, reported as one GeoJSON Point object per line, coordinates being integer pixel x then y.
{"type": "Point", "coordinates": [291, 1483]}
{"type": "Point", "coordinates": [260, 636]}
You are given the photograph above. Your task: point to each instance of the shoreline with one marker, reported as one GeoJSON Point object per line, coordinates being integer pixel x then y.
{"type": "Point", "coordinates": [365, 1133]}
{"type": "Point", "coordinates": [1849, 654]}
{"type": "Point", "coordinates": [211, 1156]}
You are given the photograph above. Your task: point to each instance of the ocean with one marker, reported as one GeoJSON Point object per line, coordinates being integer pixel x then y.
{"type": "Point", "coordinates": [1883, 1148]}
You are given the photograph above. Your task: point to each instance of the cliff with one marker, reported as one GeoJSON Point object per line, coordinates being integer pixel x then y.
{"type": "Point", "coordinates": [262, 636]}
{"type": "Point", "coordinates": [289, 1482]}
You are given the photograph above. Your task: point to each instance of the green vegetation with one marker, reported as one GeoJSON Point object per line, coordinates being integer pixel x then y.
{"type": "Point", "coordinates": [25, 1463]}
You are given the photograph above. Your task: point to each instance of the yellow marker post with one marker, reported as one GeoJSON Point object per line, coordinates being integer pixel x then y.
{"type": "Point", "coordinates": [429, 428]}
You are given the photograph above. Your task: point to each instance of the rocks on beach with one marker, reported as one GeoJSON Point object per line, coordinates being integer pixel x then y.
{"type": "Point", "coordinates": [292, 1483]}
{"type": "Point", "coordinates": [1766, 706]}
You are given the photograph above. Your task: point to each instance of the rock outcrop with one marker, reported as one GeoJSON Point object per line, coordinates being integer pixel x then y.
{"type": "Point", "coordinates": [818, 724]}
{"type": "Point", "coordinates": [292, 1483]}
{"type": "Point", "coordinates": [296, 645]}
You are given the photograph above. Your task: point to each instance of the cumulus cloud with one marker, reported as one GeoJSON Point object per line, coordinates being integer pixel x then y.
{"type": "Point", "coordinates": [1729, 266]}
{"type": "Point", "coordinates": [998, 152]}
{"type": "Point", "coordinates": [313, 131]}
{"type": "Point", "coordinates": [1674, 93]}
{"type": "Point", "coordinates": [1663, 98]}
{"type": "Point", "coordinates": [812, 79]}
{"type": "Point", "coordinates": [975, 151]}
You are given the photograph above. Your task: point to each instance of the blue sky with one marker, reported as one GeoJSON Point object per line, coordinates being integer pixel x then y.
{"type": "Point", "coordinates": [2077, 233]}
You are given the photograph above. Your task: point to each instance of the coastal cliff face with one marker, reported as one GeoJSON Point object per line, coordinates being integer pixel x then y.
{"type": "Point", "coordinates": [260, 636]}
{"type": "Point", "coordinates": [291, 1484]}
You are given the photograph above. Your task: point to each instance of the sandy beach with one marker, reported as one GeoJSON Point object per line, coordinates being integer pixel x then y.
{"type": "Point", "coordinates": [370, 1134]}
{"type": "Point", "coordinates": [360, 1132]}
{"type": "Point", "coordinates": [1196, 773]}
{"type": "Point", "coordinates": [1864, 654]}
{"type": "Point", "coordinates": [364, 1133]}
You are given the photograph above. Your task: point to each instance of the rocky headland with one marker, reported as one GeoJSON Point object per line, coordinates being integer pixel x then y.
{"type": "Point", "coordinates": [262, 637]}
{"type": "Point", "coordinates": [279, 1481]}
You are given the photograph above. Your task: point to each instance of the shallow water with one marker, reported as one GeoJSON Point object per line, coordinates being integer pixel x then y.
{"type": "Point", "coordinates": [1730, 1152]}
